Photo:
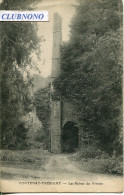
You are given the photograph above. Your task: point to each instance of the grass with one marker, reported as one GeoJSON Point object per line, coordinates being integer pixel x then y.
{"type": "Point", "coordinates": [28, 159]}
{"type": "Point", "coordinates": [109, 165]}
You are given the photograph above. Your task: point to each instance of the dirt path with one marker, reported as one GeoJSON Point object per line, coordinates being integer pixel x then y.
{"type": "Point", "coordinates": [59, 167]}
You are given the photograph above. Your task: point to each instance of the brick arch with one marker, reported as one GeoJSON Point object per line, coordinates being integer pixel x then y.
{"type": "Point", "coordinates": [69, 121]}
{"type": "Point", "coordinates": [69, 137]}
{"type": "Point", "coordinates": [66, 120]}
{"type": "Point", "coordinates": [68, 113]}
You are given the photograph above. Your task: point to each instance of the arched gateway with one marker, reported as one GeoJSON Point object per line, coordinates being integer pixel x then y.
{"type": "Point", "coordinates": [64, 130]}
{"type": "Point", "coordinates": [69, 137]}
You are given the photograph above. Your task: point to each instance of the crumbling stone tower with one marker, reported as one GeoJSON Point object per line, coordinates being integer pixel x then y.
{"type": "Point", "coordinates": [64, 131]}
{"type": "Point", "coordinates": [56, 69]}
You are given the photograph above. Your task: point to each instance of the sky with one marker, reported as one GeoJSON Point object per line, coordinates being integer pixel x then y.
{"type": "Point", "coordinates": [66, 10]}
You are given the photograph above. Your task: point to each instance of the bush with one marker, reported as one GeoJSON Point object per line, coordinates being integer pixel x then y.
{"type": "Point", "coordinates": [95, 160]}
{"type": "Point", "coordinates": [111, 165]}
{"type": "Point", "coordinates": [27, 158]}
{"type": "Point", "coordinates": [92, 152]}
{"type": "Point", "coordinates": [115, 166]}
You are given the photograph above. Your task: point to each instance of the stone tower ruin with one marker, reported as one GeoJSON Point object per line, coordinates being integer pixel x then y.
{"type": "Point", "coordinates": [55, 104]}
{"type": "Point", "coordinates": [63, 121]}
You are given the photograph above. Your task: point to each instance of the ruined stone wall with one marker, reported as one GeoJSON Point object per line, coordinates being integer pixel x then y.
{"type": "Point", "coordinates": [56, 126]}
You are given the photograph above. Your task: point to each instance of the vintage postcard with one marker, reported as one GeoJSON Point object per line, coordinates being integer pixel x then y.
{"type": "Point", "coordinates": [61, 96]}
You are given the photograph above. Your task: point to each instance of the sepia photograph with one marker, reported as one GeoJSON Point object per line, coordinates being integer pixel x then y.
{"type": "Point", "coordinates": [61, 97]}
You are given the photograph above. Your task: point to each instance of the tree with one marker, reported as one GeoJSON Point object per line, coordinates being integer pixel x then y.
{"type": "Point", "coordinates": [91, 65]}
{"type": "Point", "coordinates": [18, 41]}
{"type": "Point", "coordinates": [43, 110]}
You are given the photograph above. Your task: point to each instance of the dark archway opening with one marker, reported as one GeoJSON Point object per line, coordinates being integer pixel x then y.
{"type": "Point", "coordinates": [69, 138]}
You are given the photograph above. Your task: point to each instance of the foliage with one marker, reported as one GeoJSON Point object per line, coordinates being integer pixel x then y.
{"type": "Point", "coordinates": [97, 161]}
{"type": "Point", "coordinates": [91, 74]}
{"type": "Point", "coordinates": [111, 166]}
{"type": "Point", "coordinates": [42, 103]}
{"type": "Point", "coordinates": [19, 139]}
{"type": "Point", "coordinates": [18, 4]}
{"type": "Point", "coordinates": [23, 159]}
{"type": "Point", "coordinates": [38, 136]}
{"type": "Point", "coordinates": [18, 41]}
{"type": "Point", "coordinates": [91, 152]}
{"type": "Point", "coordinates": [34, 126]}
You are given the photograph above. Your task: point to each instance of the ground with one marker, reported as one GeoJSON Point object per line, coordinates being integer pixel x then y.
{"type": "Point", "coordinates": [59, 168]}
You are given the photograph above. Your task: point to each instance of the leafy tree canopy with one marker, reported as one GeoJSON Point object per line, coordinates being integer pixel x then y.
{"type": "Point", "coordinates": [91, 64]}
{"type": "Point", "coordinates": [18, 41]}
{"type": "Point", "coordinates": [18, 4]}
